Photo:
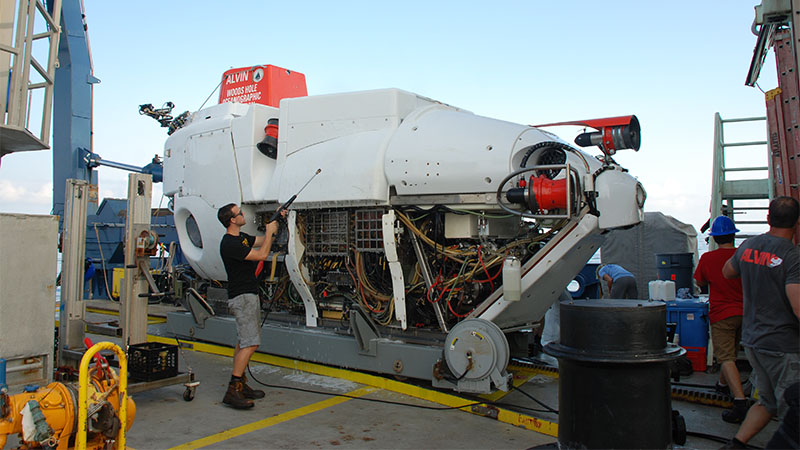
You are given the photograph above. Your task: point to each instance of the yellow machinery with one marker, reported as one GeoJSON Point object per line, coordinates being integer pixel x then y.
{"type": "Point", "coordinates": [90, 415]}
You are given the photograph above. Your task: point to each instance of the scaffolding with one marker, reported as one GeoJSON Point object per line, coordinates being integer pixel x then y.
{"type": "Point", "coordinates": [18, 82]}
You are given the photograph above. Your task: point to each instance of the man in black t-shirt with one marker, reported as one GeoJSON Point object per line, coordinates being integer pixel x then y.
{"type": "Point", "coordinates": [769, 265]}
{"type": "Point", "coordinates": [240, 254]}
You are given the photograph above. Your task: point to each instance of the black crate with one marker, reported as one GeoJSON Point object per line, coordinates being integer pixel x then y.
{"type": "Point", "coordinates": [151, 361]}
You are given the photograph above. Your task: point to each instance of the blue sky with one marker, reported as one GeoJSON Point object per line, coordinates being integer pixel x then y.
{"type": "Point", "coordinates": [673, 64]}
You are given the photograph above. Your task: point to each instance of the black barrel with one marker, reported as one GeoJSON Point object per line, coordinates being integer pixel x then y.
{"type": "Point", "coordinates": [614, 387]}
{"type": "Point", "coordinates": [677, 267]}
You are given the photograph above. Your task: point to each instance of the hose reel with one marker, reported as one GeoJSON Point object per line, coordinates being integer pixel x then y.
{"type": "Point", "coordinates": [476, 352]}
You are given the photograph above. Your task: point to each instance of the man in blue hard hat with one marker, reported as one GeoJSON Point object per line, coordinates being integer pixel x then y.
{"type": "Point", "coordinates": [769, 265]}
{"type": "Point", "coordinates": [725, 313]}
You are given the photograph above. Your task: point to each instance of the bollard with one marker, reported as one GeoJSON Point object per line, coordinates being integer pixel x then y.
{"type": "Point", "coordinates": [614, 387]}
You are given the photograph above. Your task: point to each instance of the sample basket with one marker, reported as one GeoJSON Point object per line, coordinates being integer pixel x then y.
{"type": "Point", "coordinates": [151, 361]}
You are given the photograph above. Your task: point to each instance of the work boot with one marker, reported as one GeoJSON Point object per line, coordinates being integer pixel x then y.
{"type": "Point", "coordinates": [249, 392]}
{"type": "Point", "coordinates": [235, 398]}
{"type": "Point", "coordinates": [737, 413]}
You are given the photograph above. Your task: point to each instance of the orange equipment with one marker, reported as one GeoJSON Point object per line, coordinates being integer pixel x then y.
{"type": "Point", "coordinates": [50, 415]}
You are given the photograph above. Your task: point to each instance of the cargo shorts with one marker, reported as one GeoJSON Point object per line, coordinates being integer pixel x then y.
{"type": "Point", "coordinates": [775, 371]}
{"type": "Point", "coordinates": [246, 308]}
{"type": "Point", "coordinates": [725, 336]}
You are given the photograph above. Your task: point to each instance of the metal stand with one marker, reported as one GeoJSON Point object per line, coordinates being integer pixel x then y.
{"type": "Point", "coordinates": [133, 310]}
{"type": "Point", "coordinates": [140, 244]}
{"type": "Point", "coordinates": [187, 379]}
{"type": "Point", "coordinates": [70, 329]}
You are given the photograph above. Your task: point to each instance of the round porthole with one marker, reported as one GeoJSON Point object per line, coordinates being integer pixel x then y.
{"type": "Point", "coordinates": [194, 231]}
{"type": "Point", "coordinates": [574, 286]}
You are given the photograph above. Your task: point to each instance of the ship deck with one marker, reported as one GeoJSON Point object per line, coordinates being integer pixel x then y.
{"type": "Point", "coordinates": [314, 406]}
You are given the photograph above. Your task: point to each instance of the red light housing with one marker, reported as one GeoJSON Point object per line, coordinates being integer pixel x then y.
{"type": "Point", "coordinates": [614, 133]}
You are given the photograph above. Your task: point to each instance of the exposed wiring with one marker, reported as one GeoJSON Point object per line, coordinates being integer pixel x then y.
{"type": "Point", "coordinates": [449, 296]}
{"type": "Point", "coordinates": [480, 258]}
{"type": "Point", "coordinates": [374, 293]}
{"type": "Point", "coordinates": [361, 299]}
{"type": "Point", "coordinates": [460, 316]}
{"type": "Point", "coordinates": [351, 276]}
{"type": "Point", "coordinates": [389, 315]}
{"type": "Point", "coordinates": [456, 255]}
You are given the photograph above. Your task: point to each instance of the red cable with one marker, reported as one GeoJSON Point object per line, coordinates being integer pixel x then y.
{"type": "Point", "coordinates": [428, 292]}
{"type": "Point", "coordinates": [444, 289]}
{"type": "Point", "coordinates": [492, 278]}
{"type": "Point", "coordinates": [455, 313]}
{"type": "Point", "coordinates": [480, 258]}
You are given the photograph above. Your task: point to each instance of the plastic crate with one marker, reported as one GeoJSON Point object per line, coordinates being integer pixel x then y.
{"type": "Point", "coordinates": [151, 361]}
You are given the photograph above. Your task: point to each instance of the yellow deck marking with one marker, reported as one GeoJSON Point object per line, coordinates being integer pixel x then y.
{"type": "Point", "coordinates": [270, 421]}
{"type": "Point", "coordinates": [503, 415]}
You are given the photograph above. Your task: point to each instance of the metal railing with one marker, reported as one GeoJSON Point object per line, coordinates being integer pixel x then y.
{"type": "Point", "coordinates": [83, 394]}
{"type": "Point", "coordinates": [16, 60]}
{"type": "Point", "coordinates": [725, 192]}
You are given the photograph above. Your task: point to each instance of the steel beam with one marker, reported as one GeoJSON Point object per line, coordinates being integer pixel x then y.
{"type": "Point", "coordinates": [72, 108]}
{"type": "Point", "coordinates": [392, 356]}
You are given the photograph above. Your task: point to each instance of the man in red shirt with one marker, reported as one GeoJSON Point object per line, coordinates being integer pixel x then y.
{"type": "Point", "coordinates": [725, 301]}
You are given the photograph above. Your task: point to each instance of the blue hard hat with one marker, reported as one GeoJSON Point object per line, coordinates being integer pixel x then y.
{"type": "Point", "coordinates": [722, 225]}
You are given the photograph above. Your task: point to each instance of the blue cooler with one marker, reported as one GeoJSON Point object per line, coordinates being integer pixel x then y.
{"type": "Point", "coordinates": [691, 319]}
